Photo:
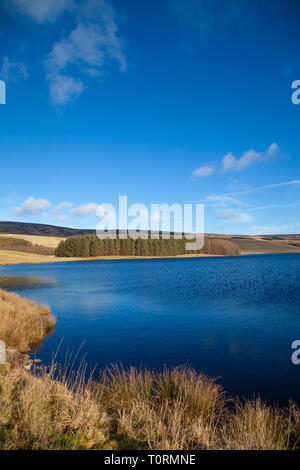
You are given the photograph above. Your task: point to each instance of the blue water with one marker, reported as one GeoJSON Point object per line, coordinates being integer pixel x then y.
{"type": "Point", "coordinates": [234, 318]}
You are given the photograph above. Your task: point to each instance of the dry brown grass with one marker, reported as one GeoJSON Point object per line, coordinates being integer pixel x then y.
{"type": "Point", "coordinates": [255, 425]}
{"type": "Point", "coordinates": [174, 409]}
{"type": "Point", "coordinates": [8, 257]}
{"type": "Point", "coordinates": [136, 409]}
{"type": "Point", "coordinates": [46, 413]}
{"type": "Point", "coordinates": [23, 322]}
{"type": "Point", "coordinates": [16, 257]}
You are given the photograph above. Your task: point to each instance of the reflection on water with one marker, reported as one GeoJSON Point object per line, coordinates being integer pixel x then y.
{"type": "Point", "coordinates": [19, 282]}
{"type": "Point", "coordinates": [234, 318]}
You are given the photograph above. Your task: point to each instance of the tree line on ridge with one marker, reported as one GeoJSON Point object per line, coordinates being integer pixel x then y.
{"type": "Point", "coordinates": [92, 246]}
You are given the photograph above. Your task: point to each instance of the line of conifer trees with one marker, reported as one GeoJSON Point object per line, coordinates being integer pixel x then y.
{"type": "Point", "coordinates": [91, 246]}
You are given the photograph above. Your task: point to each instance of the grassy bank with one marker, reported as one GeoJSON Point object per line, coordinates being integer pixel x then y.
{"type": "Point", "coordinates": [22, 322]}
{"type": "Point", "coordinates": [10, 257]}
{"type": "Point", "coordinates": [136, 409]}
{"type": "Point", "coordinates": [178, 408]}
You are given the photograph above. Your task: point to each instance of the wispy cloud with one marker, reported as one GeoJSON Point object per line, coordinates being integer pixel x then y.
{"type": "Point", "coordinates": [239, 211]}
{"type": "Point", "coordinates": [43, 11]}
{"type": "Point", "coordinates": [83, 52]}
{"type": "Point", "coordinates": [32, 206]}
{"type": "Point", "coordinates": [263, 188]}
{"type": "Point", "coordinates": [274, 206]}
{"type": "Point", "coordinates": [89, 47]}
{"type": "Point", "coordinates": [64, 89]}
{"type": "Point", "coordinates": [12, 71]}
{"type": "Point", "coordinates": [233, 216]}
{"type": "Point", "coordinates": [223, 200]}
{"type": "Point", "coordinates": [203, 171]}
{"type": "Point", "coordinates": [250, 157]}
{"type": "Point", "coordinates": [85, 210]}
{"type": "Point", "coordinates": [61, 206]}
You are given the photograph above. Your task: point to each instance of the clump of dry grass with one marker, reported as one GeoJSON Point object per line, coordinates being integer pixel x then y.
{"type": "Point", "coordinates": [23, 322]}
{"type": "Point", "coordinates": [46, 413]}
{"type": "Point", "coordinates": [174, 409]}
{"type": "Point", "coordinates": [256, 426]}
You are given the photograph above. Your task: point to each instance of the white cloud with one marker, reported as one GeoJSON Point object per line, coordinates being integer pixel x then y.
{"type": "Point", "coordinates": [89, 47]}
{"type": "Point", "coordinates": [32, 206]}
{"type": "Point", "coordinates": [205, 170]}
{"type": "Point", "coordinates": [60, 218]}
{"type": "Point", "coordinates": [85, 210]}
{"type": "Point", "coordinates": [230, 163]}
{"type": "Point", "coordinates": [43, 11]}
{"type": "Point", "coordinates": [62, 205]}
{"type": "Point", "coordinates": [91, 43]}
{"type": "Point", "coordinates": [82, 53]}
{"type": "Point", "coordinates": [250, 157]}
{"type": "Point", "coordinates": [12, 71]}
{"type": "Point", "coordinates": [232, 216]}
{"type": "Point", "coordinates": [64, 89]}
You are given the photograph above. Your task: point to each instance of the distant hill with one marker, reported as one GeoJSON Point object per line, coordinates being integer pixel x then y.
{"type": "Point", "coordinates": [24, 228]}
{"type": "Point", "coordinates": [44, 230]}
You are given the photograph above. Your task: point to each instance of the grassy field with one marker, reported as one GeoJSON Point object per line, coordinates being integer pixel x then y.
{"type": "Point", "coordinates": [261, 245]}
{"type": "Point", "coordinates": [16, 257]}
{"type": "Point", "coordinates": [49, 242]}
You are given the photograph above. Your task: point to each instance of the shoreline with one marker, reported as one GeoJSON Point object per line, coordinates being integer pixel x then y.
{"type": "Point", "coordinates": [53, 259]}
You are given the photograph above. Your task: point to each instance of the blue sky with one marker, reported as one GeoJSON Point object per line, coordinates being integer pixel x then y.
{"type": "Point", "coordinates": [163, 101]}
